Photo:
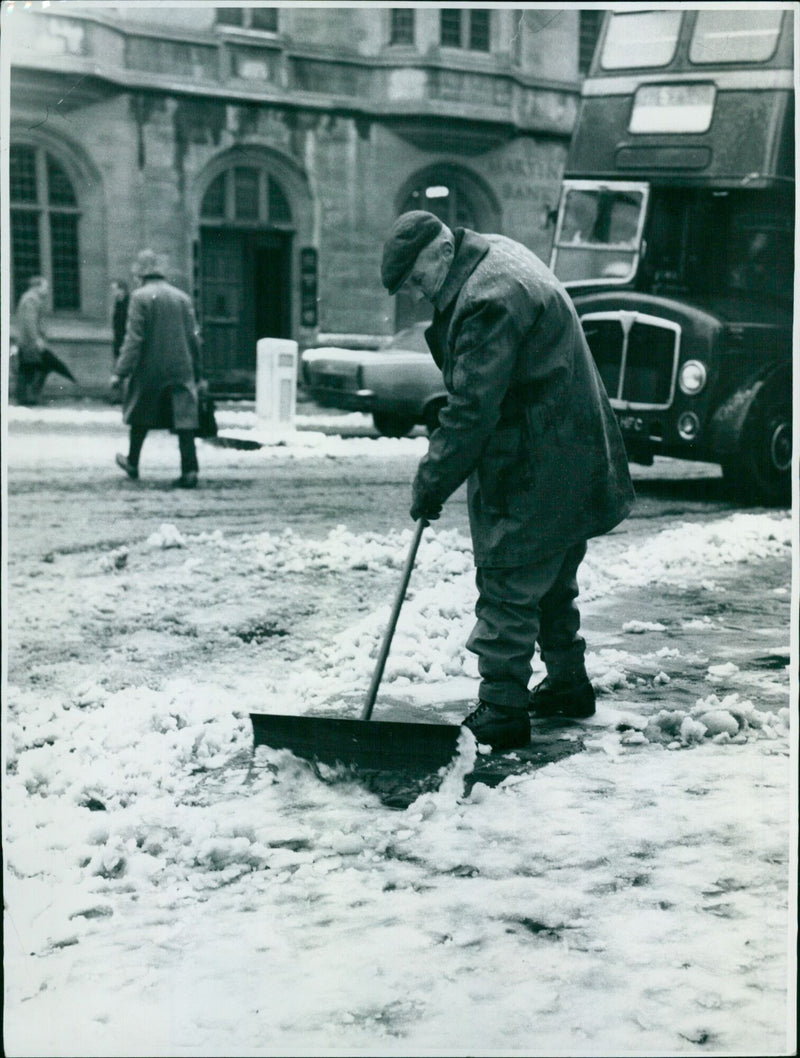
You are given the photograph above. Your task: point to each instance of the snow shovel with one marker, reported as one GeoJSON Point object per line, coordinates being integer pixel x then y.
{"type": "Point", "coordinates": [388, 746]}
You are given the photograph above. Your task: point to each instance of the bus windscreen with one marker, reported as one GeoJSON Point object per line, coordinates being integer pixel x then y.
{"type": "Point", "coordinates": [599, 233]}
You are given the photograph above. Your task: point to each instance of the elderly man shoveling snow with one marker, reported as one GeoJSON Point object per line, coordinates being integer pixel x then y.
{"type": "Point", "coordinates": [529, 426]}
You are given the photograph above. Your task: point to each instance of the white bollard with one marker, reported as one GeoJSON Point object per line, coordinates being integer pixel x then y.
{"type": "Point", "coordinates": [276, 385]}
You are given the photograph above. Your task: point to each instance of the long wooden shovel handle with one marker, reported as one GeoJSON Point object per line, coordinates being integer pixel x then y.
{"type": "Point", "coordinates": [372, 693]}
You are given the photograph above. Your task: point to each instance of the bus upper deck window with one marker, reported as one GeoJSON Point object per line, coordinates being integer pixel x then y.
{"type": "Point", "coordinates": [641, 38]}
{"type": "Point", "coordinates": [744, 35]}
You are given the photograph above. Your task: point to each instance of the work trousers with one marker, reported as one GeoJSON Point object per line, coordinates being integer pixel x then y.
{"type": "Point", "coordinates": [185, 443]}
{"type": "Point", "coordinates": [518, 608]}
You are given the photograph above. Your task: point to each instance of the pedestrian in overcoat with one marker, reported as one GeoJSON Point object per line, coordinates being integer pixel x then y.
{"type": "Point", "coordinates": [31, 341]}
{"type": "Point", "coordinates": [160, 361]}
{"type": "Point", "coordinates": [529, 426]}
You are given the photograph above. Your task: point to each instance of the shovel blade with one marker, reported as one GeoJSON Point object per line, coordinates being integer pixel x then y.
{"type": "Point", "coordinates": [392, 746]}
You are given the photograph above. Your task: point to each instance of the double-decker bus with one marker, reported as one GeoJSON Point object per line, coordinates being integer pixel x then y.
{"type": "Point", "coordinates": [675, 235]}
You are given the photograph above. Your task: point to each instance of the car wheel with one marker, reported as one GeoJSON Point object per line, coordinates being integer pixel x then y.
{"type": "Point", "coordinates": [763, 473]}
{"type": "Point", "coordinates": [392, 425]}
{"type": "Point", "coordinates": [431, 415]}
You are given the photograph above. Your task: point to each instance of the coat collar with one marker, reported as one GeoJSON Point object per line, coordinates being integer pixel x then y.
{"type": "Point", "coordinates": [470, 249]}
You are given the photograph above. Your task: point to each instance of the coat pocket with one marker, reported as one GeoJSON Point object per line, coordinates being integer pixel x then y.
{"type": "Point", "coordinates": [505, 468]}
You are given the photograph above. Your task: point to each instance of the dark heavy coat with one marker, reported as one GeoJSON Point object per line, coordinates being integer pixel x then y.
{"type": "Point", "coordinates": [160, 358]}
{"type": "Point", "coordinates": [527, 421]}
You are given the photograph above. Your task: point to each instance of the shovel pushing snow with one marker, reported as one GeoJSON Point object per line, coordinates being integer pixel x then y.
{"type": "Point", "coordinates": [412, 749]}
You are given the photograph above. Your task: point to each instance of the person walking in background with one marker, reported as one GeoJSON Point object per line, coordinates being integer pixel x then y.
{"type": "Point", "coordinates": [528, 424]}
{"type": "Point", "coordinates": [119, 317]}
{"type": "Point", "coordinates": [119, 314]}
{"type": "Point", "coordinates": [31, 341]}
{"type": "Point", "coordinates": [160, 362]}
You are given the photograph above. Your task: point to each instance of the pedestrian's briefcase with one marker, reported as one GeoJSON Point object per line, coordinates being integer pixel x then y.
{"type": "Point", "coordinates": [206, 414]}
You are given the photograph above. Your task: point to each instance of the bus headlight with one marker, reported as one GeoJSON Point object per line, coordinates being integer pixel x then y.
{"type": "Point", "coordinates": [693, 377]}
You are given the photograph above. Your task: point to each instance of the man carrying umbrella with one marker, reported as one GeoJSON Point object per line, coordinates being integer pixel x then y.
{"type": "Point", "coordinates": [31, 342]}
{"type": "Point", "coordinates": [529, 426]}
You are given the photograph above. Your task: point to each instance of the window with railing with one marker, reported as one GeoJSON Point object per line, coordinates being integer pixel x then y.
{"type": "Point", "coordinates": [468, 29]}
{"type": "Point", "coordinates": [401, 29]}
{"type": "Point", "coordinates": [264, 19]}
{"type": "Point", "coordinates": [44, 220]}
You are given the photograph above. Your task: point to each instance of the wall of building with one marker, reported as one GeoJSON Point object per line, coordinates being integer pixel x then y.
{"type": "Point", "coordinates": [143, 148]}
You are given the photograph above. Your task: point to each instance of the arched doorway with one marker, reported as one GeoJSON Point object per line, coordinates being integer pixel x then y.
{"type": "Point", "coordinates": [244, 272]}
{"type": "Point", "coordinates": [461, 200]}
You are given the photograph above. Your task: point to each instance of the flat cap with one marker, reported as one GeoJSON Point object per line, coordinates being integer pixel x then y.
{"type": "Point", "coordinates": [409, 234]}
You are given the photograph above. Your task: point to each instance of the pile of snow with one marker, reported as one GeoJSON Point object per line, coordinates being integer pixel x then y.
{"type": "Point", "coordinates": [637, 627]}
{"type": "Point", "coordinates": [727, 720]}
{"type": "Point", "coordinates": [435, 623]}
{"type": "Point", "coordinates": [681, 555]}
{"type": "Point", "coordinates": [167, 535]}
{"type": "Point", "coordinates": [163, 897]}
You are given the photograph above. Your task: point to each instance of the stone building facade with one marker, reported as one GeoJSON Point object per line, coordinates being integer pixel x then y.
{"type": "Point", "coordinates": [267, 150]}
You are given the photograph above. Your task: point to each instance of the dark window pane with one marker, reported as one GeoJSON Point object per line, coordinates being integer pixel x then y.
{"type": "Point", "coordinates": [479, 31]}
{"type": "Point", "coordinates": [606, 339]}
{"type": "Point", "coordinates": [64, 242]}
{"type": "Point", "coordinates": [214, 198]}
{"type": "Point", "coordinates": [451, 28]}
{"type": "Point", "coordinates": [229, 16]}
{"type": "Point", "coordinates": [463, 215]}
{"type": "Point", "coordinates": [59, 188]}
{"type": "Point", "coordinates": [25, 257]}
{"type": "Point", "coordinates": [22, 162]}
{"type": "Point", "coordinates": [245, 182]}
{"type": "Point", "coordinates": [649, 365]}
{"type": "Point", "coordinates": [590, 22]}
{"type": "Point", "coordinates": [279, 211]}
{"type": "Point", "coordinates": [402, 31]}
{"type": "Point", "coordinates": [265, 18]}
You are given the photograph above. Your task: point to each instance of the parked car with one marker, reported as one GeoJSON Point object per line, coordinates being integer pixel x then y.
{"type": "Point", "coordinates": [400, 385]}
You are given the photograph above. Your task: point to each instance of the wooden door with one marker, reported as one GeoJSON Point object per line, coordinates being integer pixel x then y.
{"type": "Point", "coordinates": [245, 294]}
{"type": "Point", "coordinates": [229, 354]}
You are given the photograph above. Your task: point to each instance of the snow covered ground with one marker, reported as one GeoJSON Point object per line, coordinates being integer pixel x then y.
{"type": "Point", "coordinates": [163, 898]}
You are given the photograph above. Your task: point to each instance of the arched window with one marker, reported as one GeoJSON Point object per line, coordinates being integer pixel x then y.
{"type": "Point", "coordinates": [247, 195]}
{"type": "Point", "coordinates": [447, 199]}
{"type": "Point", "coordinates": [44, 218]}
{"type": "Point", "coordinates": [459, 200]}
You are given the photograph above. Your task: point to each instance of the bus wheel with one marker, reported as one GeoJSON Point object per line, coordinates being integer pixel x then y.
{"type": "Point", "coordinates": [392, 425]}
{"type": "Point", "coordinates": [763, 474]}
